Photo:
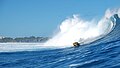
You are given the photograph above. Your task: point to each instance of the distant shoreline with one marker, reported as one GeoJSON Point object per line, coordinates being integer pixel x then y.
{"type": "Point", "coordinates": [31, 39]}
{"type": "Point", "coordinates": [21, 42]}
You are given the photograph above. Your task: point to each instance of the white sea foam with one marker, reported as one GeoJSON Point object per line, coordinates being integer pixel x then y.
{"type": "Point", "coordinates": [13, 47]}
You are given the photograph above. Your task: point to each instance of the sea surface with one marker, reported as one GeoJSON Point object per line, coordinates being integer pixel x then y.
{"type": "Point", "coordinates": [103, 53]}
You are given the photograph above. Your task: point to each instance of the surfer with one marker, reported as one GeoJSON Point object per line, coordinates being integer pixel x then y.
{"type": "Point", "coordinates": [76, 44]}
{"type": "Point", "coordinates": [81, 42]}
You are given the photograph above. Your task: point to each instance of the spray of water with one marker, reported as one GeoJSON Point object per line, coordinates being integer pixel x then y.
{"type": "Point", "coordinates": [76, 29]}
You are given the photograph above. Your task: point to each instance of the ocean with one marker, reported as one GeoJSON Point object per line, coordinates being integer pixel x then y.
{"type": "Point", "coordinates": [101, 53]}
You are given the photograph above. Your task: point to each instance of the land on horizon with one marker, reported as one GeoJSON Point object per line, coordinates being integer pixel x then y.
{"type": "Point", "coordinates": [24, 39]}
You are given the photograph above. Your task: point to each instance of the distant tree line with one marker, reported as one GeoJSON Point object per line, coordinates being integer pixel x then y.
{"type": "Point", "coordinates": [24, 39]}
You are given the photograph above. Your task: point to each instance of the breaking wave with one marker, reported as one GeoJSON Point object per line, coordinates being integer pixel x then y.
{"type": "Point", "coordinates": [75, 29]}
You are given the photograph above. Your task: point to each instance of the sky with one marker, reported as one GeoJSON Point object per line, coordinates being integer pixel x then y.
{"type": "Point", "coordinates": [19, 18]}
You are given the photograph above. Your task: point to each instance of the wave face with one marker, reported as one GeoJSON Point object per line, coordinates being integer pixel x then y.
{"type": "Point", "coordinates": [76, 29]}
{"type": "Point", "coordinates": [104, 52]}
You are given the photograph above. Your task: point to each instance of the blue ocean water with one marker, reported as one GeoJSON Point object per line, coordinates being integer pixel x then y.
{"type": "Point", "coordinates": [103, 53]}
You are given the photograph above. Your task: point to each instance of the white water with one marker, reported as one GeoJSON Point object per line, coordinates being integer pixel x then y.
{"type": "Point", "coordinates": [76, 29]}
{"type": "Point", "coordinates": [12, 47]}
